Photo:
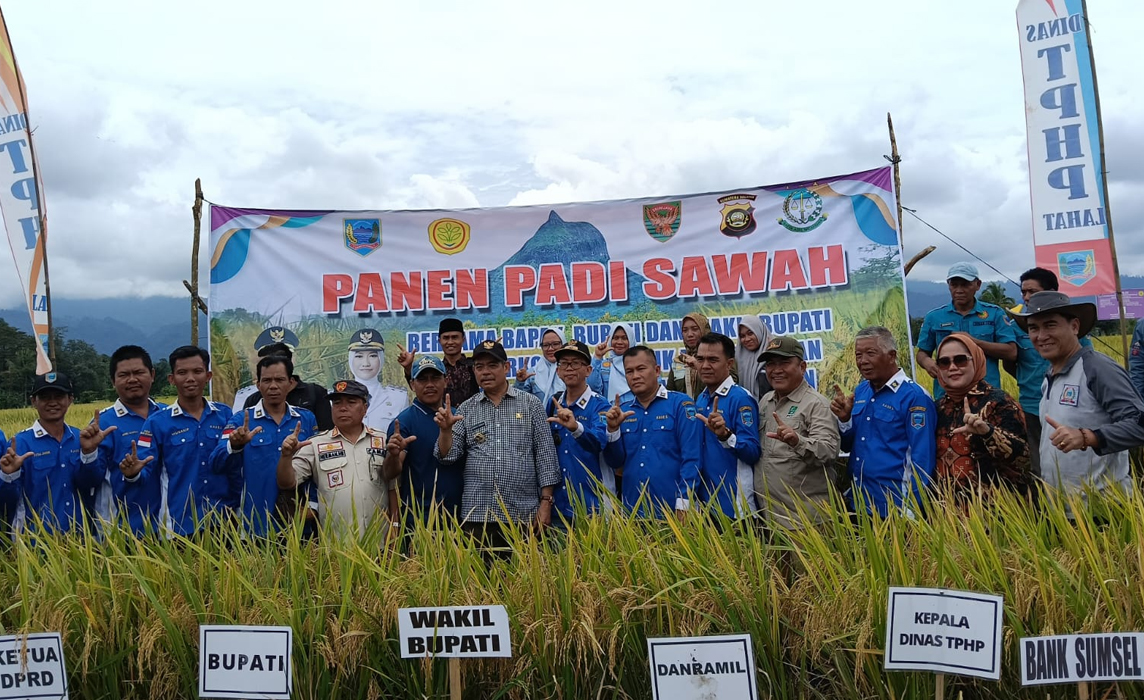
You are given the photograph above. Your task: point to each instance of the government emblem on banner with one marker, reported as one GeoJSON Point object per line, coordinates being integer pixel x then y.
{"type": "Point", "coordinates": [1077, 267]}
{"type": "Point", "coordinates": [662, 220]}
{"type": "Point", "coordinates": [802, 211]}
{"type": "Point", "coordinates": [362, 236]}
{"type": "Point", "coordinates": [738, 215]}
{"type": "Point", "coordinates": [449, 236]}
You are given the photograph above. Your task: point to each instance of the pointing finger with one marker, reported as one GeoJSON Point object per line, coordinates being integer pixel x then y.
{"type": "Point", "coordinates": [410, 439]}
{"type": "Point", "coordinates": [715, 405]}
{"type": "Point", "coordinates": [109, 431]}
{"type": "Point", "coordinates": [401, 348]}
{"type": "Point", "coordinates": [966, 400]}
{"type": "Point", "coordinates": [396, 427]}
{"type": "Point", "coordinates": [303, 443]}
{"type": "Point", "coordinates": [1051, 422]}
{"type": "Point", "coordinates": [147, 461]}
{"type": "Point", "coordinates": [617, 400]}
{"type": "Point", "coordinates": [556, 403]}
{"type": "Point", "coordinates": [134, 449]}
{"type": "Point", "coordinates": [704, 419]}
{"type": "Point", "coordinates": [554, 419]}
{"type": "Point", "coordinates": [448, 404]}
{"type": "Point", "coordinates": [778, 420]}
{"type": "Point", "coordinates": [246, 420]}
{"type": "Point", "coordinates": [838, 392]}
{"type": "Point", "coordinates": [297, 429]}
{"type": "Point", "coordinates": [256, 431]}
{"type": "Point", "coordinates": [96, 420]}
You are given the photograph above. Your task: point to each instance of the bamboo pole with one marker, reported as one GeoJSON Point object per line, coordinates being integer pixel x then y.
{"type": "Point", "coordinates": [455, 678]}
{"type": "Point", "coordinates": [940, 694]}
{"type": "Point", "coordinates": [895, 159]}
{"type": "Point", "coordinates": [193, 287]}
{"type": "Point", "coordinates": [1104, 186]}
{"type": "Point", "coordinates": [1082, 690]}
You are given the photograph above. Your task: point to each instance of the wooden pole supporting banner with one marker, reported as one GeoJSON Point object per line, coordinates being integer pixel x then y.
{"type": "Point", "coordinates": [940, 694]}
{"type": "Point", "coordinates": [454, 679]}
{"type": "Point", "coordinates": [193, 287]}
{"type": "Point", "coordinates": [895, 159]}
{"type": "Point", "coordinates": [1082, 690]}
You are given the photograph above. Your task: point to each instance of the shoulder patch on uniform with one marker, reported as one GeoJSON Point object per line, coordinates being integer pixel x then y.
{"type": "Point", "coordinates": [747, 415]}
{"type": "Point", "coordinates": [917, 418]}
{"type": "Point", "coordinates": [689, 406]}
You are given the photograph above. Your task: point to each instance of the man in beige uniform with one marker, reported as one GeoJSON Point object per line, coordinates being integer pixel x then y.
{"type": "Point", "coordinates": [345, 464]}
{"type": "Point", "coordinates": [799, 437]}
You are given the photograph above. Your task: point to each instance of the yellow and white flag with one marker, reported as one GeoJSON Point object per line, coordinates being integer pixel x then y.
{"type": "Point", "coordinates": [23, 214]}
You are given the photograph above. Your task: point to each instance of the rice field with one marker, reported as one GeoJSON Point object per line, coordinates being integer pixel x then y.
{"type": "Point", "coordinates": [582, 605]}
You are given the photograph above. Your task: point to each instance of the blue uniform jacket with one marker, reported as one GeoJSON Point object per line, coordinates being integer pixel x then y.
{"type": "Point", "coordinates": [1136, 358]}
{"type": "Point", "coordinates": [579, 453]}
{"type": "Point", "coordinates": [658, 448]}
{"type": "Point", "coordinates": [728, 468]}
{"type": "Point", "coordinates": [891, 438]}
{"type": "Point", "coordinates": [8, 494]}
{"type": "Point", "coordinates": [141, 502]}
{"type": "Point", "coordinates": [182, 450]}
{"type": "Point", "coordinates": [986, 321]}
{"type": "Point", "coordinates": [424, 480]}
{"type": "Point", "coordinates": [256, 464]}
{"type": "Point", "coordinates": [52, 479]}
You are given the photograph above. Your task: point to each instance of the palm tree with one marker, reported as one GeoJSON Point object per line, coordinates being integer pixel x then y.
{"type": "Point", "coordinates": [994, 293]}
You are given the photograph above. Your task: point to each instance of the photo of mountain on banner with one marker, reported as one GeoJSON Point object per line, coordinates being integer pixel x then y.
{"type": "Point", "coordinates": [817, 259]}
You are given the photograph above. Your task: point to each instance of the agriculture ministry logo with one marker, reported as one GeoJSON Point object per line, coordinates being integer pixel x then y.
{"type": "Point", "coordinates": [738, 215]}
{"type": "Point", "coordinates": [662, 220]}
{"type": "Point", "coordinates": [362, 236]}
{"type": "Point", "coordinates": [449, 236]}
{"type": "Point", "coordinates": [802, 211]}
{"type": "Point", "coordinates": [1077, 267]}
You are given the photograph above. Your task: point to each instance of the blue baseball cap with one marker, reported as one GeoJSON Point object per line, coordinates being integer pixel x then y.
{"type": "Point", "coordinates": [426, 362]}
{"type": "Point", "coordinates": [965, 270]}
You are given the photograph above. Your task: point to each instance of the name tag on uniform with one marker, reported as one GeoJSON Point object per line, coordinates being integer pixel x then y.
{"type": "Point", "coordinates": [330, 450]}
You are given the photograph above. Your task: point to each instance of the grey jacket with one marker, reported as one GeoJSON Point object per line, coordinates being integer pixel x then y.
{"type": "Point", "coordinates": [1093, 392]}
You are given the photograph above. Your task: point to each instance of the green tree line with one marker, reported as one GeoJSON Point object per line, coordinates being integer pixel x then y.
{"type": "Point", "coordinates": [87, 367]}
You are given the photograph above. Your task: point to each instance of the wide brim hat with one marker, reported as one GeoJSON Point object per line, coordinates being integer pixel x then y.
{"type": "Point", "coordinates": [1058, 303]}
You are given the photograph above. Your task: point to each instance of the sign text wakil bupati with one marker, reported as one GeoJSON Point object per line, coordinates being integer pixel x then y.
{"type": "Point", "coordinates": [944, 631]}
{"type": "Point", "coordinates": [1082, 658]}
{"type": "Point", "coordinates": [32, 666]}
{"type": "Point", "coordinates": [457, 631]}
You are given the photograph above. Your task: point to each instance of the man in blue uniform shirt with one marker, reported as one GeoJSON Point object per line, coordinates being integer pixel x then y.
{"type": "Point", "coordinates": [254, 439]}
{"type": "Point", "coordinates": [656, 439]}
{"type": "Point", "coordinates": [7, 494]}
{"type": "Point", "coordinates": [175, 447]}
{"type": "Point", "coordinates": [424, 484]}
{"type": "Point", "coordinates": [988, 325]}
{"type": "Point", "coordinates": [888, 427]}
{"type": "Point", "coordinates": [579, 431]}
{"type": "Point", "coordinates": [132, 375]}
{"type": "Point", "coordinates": [43, 464]}
{"type": "Point", "coordinates": [731, 441]}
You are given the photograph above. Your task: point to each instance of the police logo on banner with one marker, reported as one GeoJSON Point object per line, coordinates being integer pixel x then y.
{"type": "Point", "coordinates": [449, 236]}
{"type": "Point", "coordinates": [1077, 267]}
{"type": "Point", "coordinates": [362, 236]}
{"type": "Point", "coordinates": [662, 220]}
{"type": "Point", "coordinates": [738, 215]}
{"type": "Point", "coordinates": [802, 211]}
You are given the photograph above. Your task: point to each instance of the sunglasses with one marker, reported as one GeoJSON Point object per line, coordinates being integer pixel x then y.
{"type": "Point", "coordinates": [959, 360]}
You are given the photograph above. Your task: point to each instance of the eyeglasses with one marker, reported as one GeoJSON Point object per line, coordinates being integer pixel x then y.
{"type": "Point", "coordinates": [550, 346]}
{"type": "Point", "coordinates": [959, 360]}
{"type": "Point", "coordinates": [570, 364]}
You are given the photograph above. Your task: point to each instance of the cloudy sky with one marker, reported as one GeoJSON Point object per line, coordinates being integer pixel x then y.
{"type": "Point", "coordinates": [387, 105]}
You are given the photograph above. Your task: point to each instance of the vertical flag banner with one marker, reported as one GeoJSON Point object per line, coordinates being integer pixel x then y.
{"type": "Point", "coordinates": [1066, 173]}
{"type": "Point", "coordinates": [816, 260]}
{"type": "Point", "coordinates": [19, 201]}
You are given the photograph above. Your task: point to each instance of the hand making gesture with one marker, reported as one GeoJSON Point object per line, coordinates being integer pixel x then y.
{"type": "Point", "coordinates": [292, 444]}
{"type": "Point", "coordinates": [445, 418]}
{"type": "Point", "coordinates": [131, 465]}
{"type": "Point", "coordinates": [10, 462]}
{"type": "Point", "coordinates": [405, 358]}
{"type": "Point", "coordinates": [241, 436]}
{"type": "Point", "coordinates": [973, 423]}
{"type": "Point", "coordinates": [564, 416]}
{"type": "Point", "coordinates": [616, 416]}
{"type": "Point", "coordinates": [715, 421]}
{"type": "Point", "coordinates": [784, 432]}
{"type": "Point", "coordinates": [91, 436]}
{"type": "Point", "coordinates": [842, 405]}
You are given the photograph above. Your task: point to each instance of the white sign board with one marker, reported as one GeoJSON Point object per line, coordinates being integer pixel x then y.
{"type": "Point", "coordinates": [935, 629]}
{"type": "Point", "coordinates": [238, 661]}
{"type": "Point", "coordinates": [702, 668]}
{"type": "Point", "coordinates": [1076, 658]}
{"type": "Point", "coordinates": [460, 631]}
{"type": "Point", "coordinates": [32, 666]}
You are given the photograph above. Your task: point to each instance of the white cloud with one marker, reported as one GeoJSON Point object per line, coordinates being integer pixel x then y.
{"type": "Point", "coordinates": [400, 105]}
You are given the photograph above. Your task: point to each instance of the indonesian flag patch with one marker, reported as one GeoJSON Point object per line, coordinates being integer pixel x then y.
{"type": "Point", "coordinates": [144, 441]}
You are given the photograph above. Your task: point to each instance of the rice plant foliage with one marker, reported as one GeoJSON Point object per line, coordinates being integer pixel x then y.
{"type": "Point", "coordinates": [582, 604]}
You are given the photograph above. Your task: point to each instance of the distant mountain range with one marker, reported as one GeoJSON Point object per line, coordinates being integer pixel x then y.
{"type": "Point", "coordinates": [160, 324]}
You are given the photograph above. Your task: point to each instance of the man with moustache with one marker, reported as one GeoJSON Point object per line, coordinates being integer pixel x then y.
{"type": "Point", "coordinates": [800, 440]}
{"type": "Point", "coordinates": [428, 490]}
{"type": "Point", "coordinates": [42, 466]}
{"type": "Point", "coordinates": [731, 441]}
{"type": "Point", "coordinates": [346, 465]}
{"type": "Point", "coordinates": [888, 427]}
{"type": "Point", "coordinates": [511, 470]}
{"type": "Point", "coordinates": [460, 383]}
{"type": "Point", "coordinates": [253, 440]}
{"type": "Point", "coordinates": [656, 439]}
{"type": "Point", "coordinates": [132, 375]}
{"type": "Point", "coordinates": [1092, 416]}
{"type": "Point", "coordinates": [174, 449]}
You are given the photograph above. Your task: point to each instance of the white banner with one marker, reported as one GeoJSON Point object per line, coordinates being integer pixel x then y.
{"type": "Point", "coordinates": [24, 220]}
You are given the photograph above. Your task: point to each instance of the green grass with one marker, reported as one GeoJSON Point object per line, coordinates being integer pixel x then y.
{"type": "Point", "coordinates": [582, 607]}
